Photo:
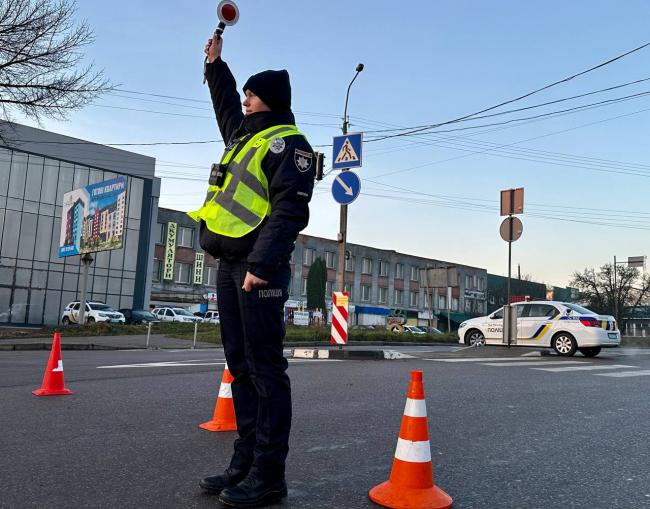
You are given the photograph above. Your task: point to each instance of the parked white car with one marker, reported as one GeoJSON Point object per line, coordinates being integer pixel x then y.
{"type": "Point", "coordinates": [563, 326]}
{"type": "Point", "coordinates": [172, 314]}
{"type": "Point", "coordinates": [212, 317]}
{"type": "Point", "coordinates": [95, 312]}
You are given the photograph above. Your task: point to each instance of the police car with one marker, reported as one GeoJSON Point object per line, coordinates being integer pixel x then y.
{"type": "Point", "coordinates": [563, 326]}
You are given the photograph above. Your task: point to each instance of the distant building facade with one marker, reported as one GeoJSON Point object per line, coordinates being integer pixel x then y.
{"type": "Point", "coordinates": [380, 282]}
{"type": "Point", "coordinates": [37, 168]}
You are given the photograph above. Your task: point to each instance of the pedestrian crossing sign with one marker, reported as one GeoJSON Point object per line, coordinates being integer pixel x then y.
{"type": "Point", "coordinates": [347, 151]}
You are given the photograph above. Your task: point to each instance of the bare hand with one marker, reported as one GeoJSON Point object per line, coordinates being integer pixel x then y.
{"type": "Point", "coordinates": [251, 281]}
{"type": "Point", "coordinates": [213, 48]}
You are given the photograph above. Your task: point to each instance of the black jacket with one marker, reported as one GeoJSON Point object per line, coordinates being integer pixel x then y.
{"type": "Point", "coordinates": [290, 186]}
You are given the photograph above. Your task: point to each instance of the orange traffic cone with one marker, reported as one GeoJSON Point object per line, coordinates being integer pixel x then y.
{"type": "Point", "coordinates": [410, 485]}
{"type": "Point", "coordinates": [53, 382]}
{"type": "Point", "coordinates": [224, 411]}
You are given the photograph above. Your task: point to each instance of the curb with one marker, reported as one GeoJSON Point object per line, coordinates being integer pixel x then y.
{"type": "Point", "coordinates": [315, 353]}
{"type": "Point", "coordinates": [48, 346]}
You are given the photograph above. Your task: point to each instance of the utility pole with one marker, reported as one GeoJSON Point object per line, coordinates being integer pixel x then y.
{"type": "Point", "coordinates": [343, 228]}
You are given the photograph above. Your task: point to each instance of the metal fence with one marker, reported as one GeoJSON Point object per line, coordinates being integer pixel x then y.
{"type": "Point", "coordinates": [636, 328]}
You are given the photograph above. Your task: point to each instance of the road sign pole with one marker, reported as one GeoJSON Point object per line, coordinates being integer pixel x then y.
{"type": "Point", "coordinates": [509, 329]}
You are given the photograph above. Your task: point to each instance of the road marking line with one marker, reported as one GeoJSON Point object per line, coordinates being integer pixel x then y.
{"type": "Point", "coordinates": [482, 359]}
{"type": "Point", "coordinates": [584, 368]}
{"type": "Point", "coordinates": [625, 374]}
{"type": "Point", "coordinates": [528, 363]}
{"type": "Point", "coordinates": [177, 364]}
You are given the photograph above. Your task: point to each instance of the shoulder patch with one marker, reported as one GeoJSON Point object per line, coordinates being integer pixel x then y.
{"type": "Point", "coordinates": [303, 160]}
{"type": "Point", "coordinates": [277, 145]}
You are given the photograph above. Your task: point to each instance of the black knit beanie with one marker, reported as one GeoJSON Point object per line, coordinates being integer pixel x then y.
{"type": "Point", "coordinates": [272, 87]}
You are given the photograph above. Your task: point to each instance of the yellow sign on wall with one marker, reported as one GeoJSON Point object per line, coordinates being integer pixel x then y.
{"type": "Point", "coordinates": [198, 268]}
{"type": "Point", "coordinates": [170, 252]}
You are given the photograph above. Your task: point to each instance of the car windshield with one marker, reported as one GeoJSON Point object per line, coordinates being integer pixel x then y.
{"type": "Point", "coordinates": [182, 312]}
{"type": "Point", "coordinates": [100, 307]}
{"type": "Point", "coordinates": [578, 309]}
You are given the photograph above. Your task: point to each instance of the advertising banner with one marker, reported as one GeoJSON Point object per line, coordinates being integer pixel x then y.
{"type": "Point", "coordinates": [93, 218]}
{"type": "Point", "coordinates": [198, 268]}
{"type": "Point", "coordinates": [170, 252]}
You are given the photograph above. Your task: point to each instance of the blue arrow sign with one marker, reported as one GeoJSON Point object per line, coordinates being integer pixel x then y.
{"type": "Point", "coordinates": [346, 187]}
{"type": "Point", "coordinates": [347, 151]}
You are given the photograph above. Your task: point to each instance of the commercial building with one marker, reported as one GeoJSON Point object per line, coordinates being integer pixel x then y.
{"type": "Point", "coordinates": [381, 282]}
{"type": "Point", "coordinates": [37, 168]}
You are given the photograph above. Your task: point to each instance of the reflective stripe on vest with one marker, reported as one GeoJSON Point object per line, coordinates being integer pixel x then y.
{"type": "Point", "coordinates": [242, 203]}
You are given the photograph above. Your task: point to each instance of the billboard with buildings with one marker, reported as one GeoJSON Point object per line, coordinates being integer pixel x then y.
{"type": "Point", "coordinates": [93, 218]}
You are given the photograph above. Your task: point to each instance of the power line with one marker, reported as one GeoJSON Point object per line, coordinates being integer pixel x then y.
{"type": "Point", "coordinates": [528, 94]}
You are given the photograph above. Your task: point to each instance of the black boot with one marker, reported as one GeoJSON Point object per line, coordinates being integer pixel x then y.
{"type": "Point", "coordinates": [230, 478]}
{"type": "Point", "coordinates": [254, 491]}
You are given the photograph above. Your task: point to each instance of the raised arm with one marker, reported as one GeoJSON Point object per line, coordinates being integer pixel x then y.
{"type": "Point", "coordinates": [223, 90]}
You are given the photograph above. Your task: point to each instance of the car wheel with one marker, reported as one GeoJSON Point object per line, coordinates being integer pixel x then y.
{"type": "Point", "coordinates": [66, 321]}
{"type": "Point", "coordinates": [564, 344]}
{"type": "Point", "coordinates": [590, 351]}
{"type": "Point", "coordinates": [474, 337]}
{"type": "Point", "coordinates": [90, 320]}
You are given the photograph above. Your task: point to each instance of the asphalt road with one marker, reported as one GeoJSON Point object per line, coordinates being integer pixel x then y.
{"type": "Point", "coordinates": [548, 433]}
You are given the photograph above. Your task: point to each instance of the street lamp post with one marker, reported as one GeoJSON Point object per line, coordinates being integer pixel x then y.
{"type": "Point", "coordinates": [343, 231]}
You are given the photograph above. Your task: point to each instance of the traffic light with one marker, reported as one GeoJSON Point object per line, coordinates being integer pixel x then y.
{"type": "Point", "coordinates": [320, 160]}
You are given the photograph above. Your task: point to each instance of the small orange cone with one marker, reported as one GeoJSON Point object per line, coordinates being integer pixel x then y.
{"type": "Point", "coordinates": [53, 382]}
{"type": "Point", "coordinates": [410, 485]}
{"type": "Point", "coordinates": [224, 411]}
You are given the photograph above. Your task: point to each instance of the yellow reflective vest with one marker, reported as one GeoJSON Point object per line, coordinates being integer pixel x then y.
{"type": "Point", "coordinates": [242, 202]}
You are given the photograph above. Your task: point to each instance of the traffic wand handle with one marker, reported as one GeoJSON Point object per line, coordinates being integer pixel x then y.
{"type": "Point", "coordinates": [411, 482]}
{"type": "Point", "coordinates": [53, 379]}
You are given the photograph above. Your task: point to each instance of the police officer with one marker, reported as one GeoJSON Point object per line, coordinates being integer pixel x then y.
{"type": "Point", "coordinates": [257, 202]}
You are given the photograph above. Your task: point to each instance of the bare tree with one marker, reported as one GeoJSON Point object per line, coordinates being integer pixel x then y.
{"type": "Point", "coordinates": [599, 292]}
{"type": "Point", "coordinates": [40, 60]}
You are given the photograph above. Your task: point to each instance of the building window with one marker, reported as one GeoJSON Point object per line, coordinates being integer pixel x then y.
{"type": "Point", "coordinates": [481, 284]}
{"type": "Point", "coordinates": [349, 264]}
{"type": "Point", "coordinates": [308, 256]}
{"type": "Point", "coordinates": [210, 275]}
{"type": "Point", "coordinates": [454, 303]}
{"type": "Point", "coordinates": [185, 237]}
{"type": "Point", "coordinates": [365, 293]}
{"type": "Point", "coordinates": [329, 285]}
{"type": "Point", "coordinates": [383, 295]}
{"type": "Point", "coordinates": [157, 269]}
{"type": "Point", "coordinates": [468, 281]}
{"type": "Point", "coordinates": [383, 268]}
{"type": "Point", "coordinates": [399, 297]}
{"type": "Point", "coordinates": [330, 259]}
{"type": "Point", "coordinates": [183, 273]}
{"type": "Point", "coordinates": [413, 299]}
{"type": "Point", "coordinates": [159, 233]}
{"type": "Point", "coordinates": [304, 286]}
{"type": "Point", "coordinates": [399, 271]}
{"type": "Point", "coordinates": [468, 306]}
{"type": "Point", "coordinates": [442, 302]}
{"type": "Point", "coordinates": [366, 266]}
{"type": "Point", "coordinates": [348, 288]}
{"type": "Point", "coordinates": [414, 273]}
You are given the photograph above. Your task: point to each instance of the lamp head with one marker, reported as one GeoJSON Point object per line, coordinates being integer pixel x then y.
{"type": "Point", "coordinates": [359, 67]}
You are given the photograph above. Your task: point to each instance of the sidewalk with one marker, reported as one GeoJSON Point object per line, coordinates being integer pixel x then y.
{"type": "Point", "coordinates": [102, 343]}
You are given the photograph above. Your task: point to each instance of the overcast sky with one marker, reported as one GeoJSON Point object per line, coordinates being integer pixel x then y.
{"type": "Point", "coordinates": [426, 63]}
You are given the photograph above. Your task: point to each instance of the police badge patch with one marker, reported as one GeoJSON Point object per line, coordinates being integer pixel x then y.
{"type": "Point", "coordinates": [277, 145]}
{"type": "Point", "coordinates": [303, 160]}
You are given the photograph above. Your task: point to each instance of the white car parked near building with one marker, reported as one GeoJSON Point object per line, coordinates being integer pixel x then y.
{"type": "Point", "coordinates": [563, 326]}
{"type": "Point", "coordinates": [212, 317]}
{"type": "Point", "coordinates": [172, 314]}
{"type": "Point", "coordinates": [95, 312]}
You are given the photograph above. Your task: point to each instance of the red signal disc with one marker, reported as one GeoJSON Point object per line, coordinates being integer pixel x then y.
{"type": "Point", "coordinates": [228, 12]}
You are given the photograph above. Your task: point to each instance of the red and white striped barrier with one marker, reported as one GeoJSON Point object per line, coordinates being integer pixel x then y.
{"type": "Point", "coordinates": [339, 334]}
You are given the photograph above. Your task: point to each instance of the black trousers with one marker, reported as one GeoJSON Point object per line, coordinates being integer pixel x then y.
{"type": "Point", "coordinates": [252, 331]}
